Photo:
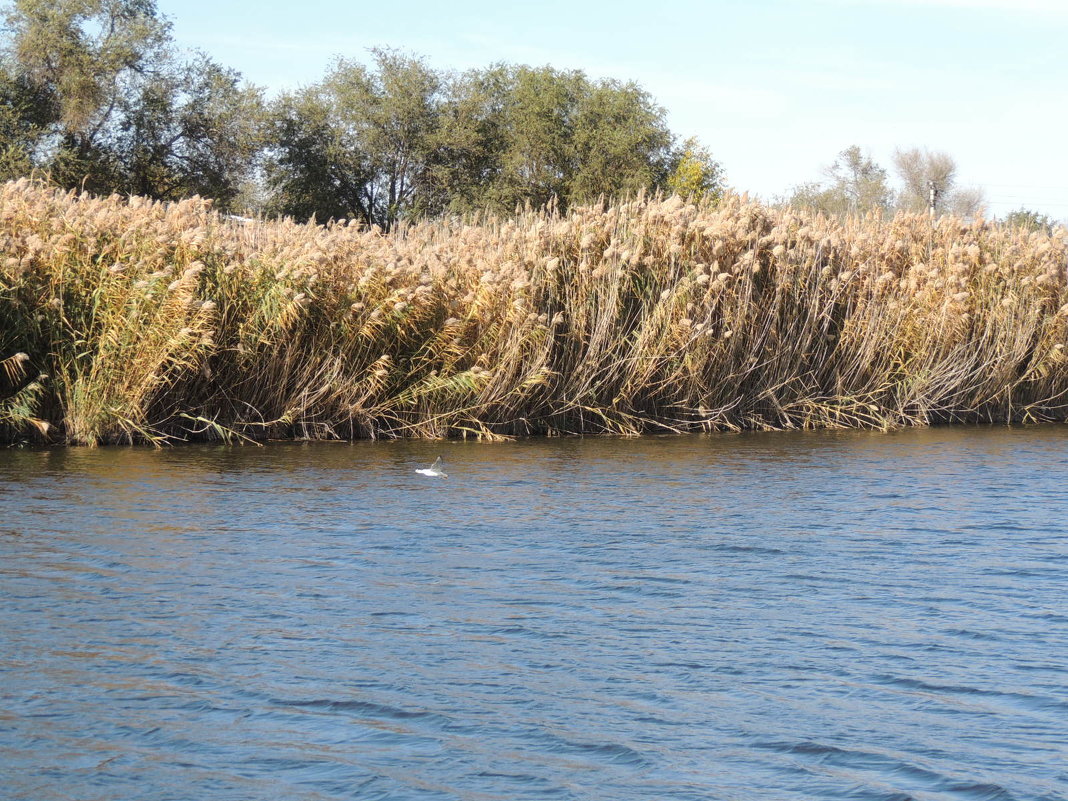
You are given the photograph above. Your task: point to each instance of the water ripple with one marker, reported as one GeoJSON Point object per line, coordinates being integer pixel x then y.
{"type": "Point", "coordinates": [790, 617]}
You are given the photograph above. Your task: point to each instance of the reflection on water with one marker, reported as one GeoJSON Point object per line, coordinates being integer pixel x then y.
{"type": "Point", "coordinates": [786, 616]}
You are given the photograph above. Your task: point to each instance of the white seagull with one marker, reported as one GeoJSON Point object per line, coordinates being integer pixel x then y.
{"type": "Point", "coordinates": [433, 470]}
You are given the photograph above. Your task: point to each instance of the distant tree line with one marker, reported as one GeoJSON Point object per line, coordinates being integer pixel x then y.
{"type": "Point", "coordinates": [1031, 220]}
{"type": "Point", "coordinates": [382, 142]}
{"type": "Point", "coordinates": [855, 184]}
{"type": "Point", "coordinates": [94, 94]}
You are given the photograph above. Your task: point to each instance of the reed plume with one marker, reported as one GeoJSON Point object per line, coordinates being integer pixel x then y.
{"type": "Point", "coordinates": [156, 322]}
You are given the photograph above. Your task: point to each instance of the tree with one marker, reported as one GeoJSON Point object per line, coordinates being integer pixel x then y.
{"type": "Point", "coordinates": [621, 143]}
{"type": "Point", "coordinates": [400, 140]}
{"type": "Point", "coordinates": [695, 175]}
{"type": "Point", "coordinates": [393, 114]}
{"type": "Point", "coordinates": [566, 138]}
{"type": "Point", "coordinates": [463, 173]}
{"type": "Point", "coordinates": [106, 104]}
{"type": "Point", "coordinates": [83, 56]}
{"type": "Point", "coordinates": [1029, 220]}
{"type": "Point", "coordinates": [358, 144]}
{"type": "Point", "coordinates": [860, 182]}
{"type": "Point", "coordinates": [193, 130]}
{"type": "Point", "coordinates": [311, 170]}
{"type": "Point", "coordinates": [25, 113]}
{"type": "Point", "coordinates": [966, 201]}
{"type": "Point", "coordinates": [929, 183]}
{"type": "Point", "coordinates": [536, 159]}
{"type": "Point", "coordinates": [84, 52]}
{"type": "Point", "coordinates": [853, 184]}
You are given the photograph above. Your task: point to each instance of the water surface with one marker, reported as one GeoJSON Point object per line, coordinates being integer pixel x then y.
{"type": "Point", "coordinates": [787, 616]}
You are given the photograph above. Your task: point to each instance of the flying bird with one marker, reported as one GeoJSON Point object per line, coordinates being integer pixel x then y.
{"type": "Point", "coordinates": [433, 470]}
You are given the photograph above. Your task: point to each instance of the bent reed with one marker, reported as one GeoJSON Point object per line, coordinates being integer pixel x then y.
{"type": "Point", "coordinates": [126, 320]}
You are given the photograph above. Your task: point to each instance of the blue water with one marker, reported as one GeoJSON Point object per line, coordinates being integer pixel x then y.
{"type": "Point", "coordinates": [783, 616]}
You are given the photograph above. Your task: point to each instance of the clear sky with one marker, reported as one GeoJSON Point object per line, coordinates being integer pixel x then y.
{"type": "Point", "coordinates": [775, 88]}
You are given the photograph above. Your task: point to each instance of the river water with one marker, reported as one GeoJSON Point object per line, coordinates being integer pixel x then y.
{"type": "Point", "coordinates": [846, 615]}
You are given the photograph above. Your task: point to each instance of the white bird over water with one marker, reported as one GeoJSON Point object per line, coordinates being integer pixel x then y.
{"type": "Point", "coordinates": [433, 470]}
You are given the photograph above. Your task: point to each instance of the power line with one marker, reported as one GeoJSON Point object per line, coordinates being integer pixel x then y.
{"type": "Point", "coordinates": [1054, 199]}
{"type": "Point", "coordinates": [1025, 203]}
{"type": "Point", "coordinates": [1026, 186]}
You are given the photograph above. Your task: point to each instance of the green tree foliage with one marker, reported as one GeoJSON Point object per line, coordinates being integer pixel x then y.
{"type": "Point", "coordinates": [1030, 220]}
{"type": "Point", "coordinates": [462, 176]}
{"type": "Point", "coordinates": [547, 135]}
{"type": "Point", "coordinates": [695, 175]}
{"type": "Point", "coordinates": [359, 144]}
{"type": "Point", "coordinates": [85, 53]}
{"type": "Point", "coordinates": [94, 95]}
{"type": "Point", "coordinates": [25, 113]}
{"type": "Point", "coordinates": [312, 170]}
{"type": "Point", "coordinates": [537, 158]}
{"type": "Point", "coordinates": [102, 101]}
{"type": "Point", "coordinates": [193, 130]}
{"type": "Point", "coordinates": [391, 115]}
{"type": "Point", "coordinates": [400, 140]}
{"type": "Point", "coordinates": [621, 142]}
{"type": "Point", "coordinates": [853, 185]}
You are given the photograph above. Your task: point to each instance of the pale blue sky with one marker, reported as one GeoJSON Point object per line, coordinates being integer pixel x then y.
{"type": "Point", "coordinates": [775, 88]}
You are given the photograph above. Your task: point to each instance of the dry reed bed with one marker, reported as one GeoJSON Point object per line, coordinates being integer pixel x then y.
{"type": "Point", "coordinates": [150, 322]}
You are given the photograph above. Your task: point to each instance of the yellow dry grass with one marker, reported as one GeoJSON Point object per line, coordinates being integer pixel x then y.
{"type": "Point", "coordinates": [151, 322]}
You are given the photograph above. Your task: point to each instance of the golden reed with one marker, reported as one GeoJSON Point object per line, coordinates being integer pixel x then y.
{"type": "Point", "coordinates": [146, 322]}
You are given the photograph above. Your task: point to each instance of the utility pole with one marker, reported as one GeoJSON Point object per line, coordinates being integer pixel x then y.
{"type": "Point", "coordinates": [933, 197]}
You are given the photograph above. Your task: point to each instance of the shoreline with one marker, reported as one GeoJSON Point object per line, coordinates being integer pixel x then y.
{"type": "Point", "coordinates": [242, 442]}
